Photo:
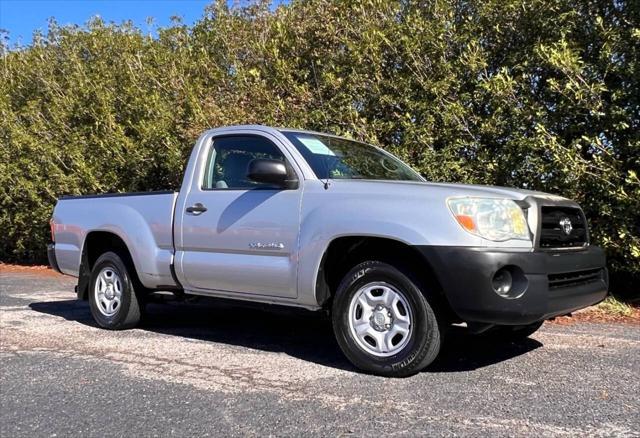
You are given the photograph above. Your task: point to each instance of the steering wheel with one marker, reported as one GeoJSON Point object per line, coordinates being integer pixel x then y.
{"type": "Point", "coordinates": [388, 165]}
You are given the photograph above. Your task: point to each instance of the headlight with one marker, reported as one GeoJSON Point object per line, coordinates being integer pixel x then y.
{"type": "Point", "coordinates": [493, 219]}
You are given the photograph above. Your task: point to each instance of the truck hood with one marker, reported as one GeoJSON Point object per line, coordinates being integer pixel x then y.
{"type": "Point", "coordinates": [446, 189]}
{"type": "Point", "coordinates": [495, 191]}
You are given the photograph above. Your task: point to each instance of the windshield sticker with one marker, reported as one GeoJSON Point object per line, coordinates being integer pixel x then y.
{"type": "Point", "coordinates": [315, 146]}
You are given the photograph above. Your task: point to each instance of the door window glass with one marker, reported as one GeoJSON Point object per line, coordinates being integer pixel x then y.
{"type": "Point", "coordinates": [229, 158]}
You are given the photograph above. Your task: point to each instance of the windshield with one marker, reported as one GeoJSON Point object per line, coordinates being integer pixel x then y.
{"type": "Point", "coordinates": [339, 158]}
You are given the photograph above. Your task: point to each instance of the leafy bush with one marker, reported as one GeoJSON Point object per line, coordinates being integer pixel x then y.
{"type": "Point", "coordinates": [537, 94]}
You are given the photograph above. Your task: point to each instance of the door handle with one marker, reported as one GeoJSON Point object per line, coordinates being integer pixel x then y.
{"type": "Point", "coordinates": [196, 209]}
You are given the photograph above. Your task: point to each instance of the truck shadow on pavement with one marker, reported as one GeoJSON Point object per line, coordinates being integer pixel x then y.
{"type": "Point", "coordinates": [301, 334]}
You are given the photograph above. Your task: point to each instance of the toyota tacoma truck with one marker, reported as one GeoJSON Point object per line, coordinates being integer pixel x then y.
{"type": "Point", "coordinates": [299, 218]}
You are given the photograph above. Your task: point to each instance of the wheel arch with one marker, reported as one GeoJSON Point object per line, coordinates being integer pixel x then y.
{"type": "Point", "coordinates": [95, 244]}
{"type": "Point", "coordinates": [345, 252]}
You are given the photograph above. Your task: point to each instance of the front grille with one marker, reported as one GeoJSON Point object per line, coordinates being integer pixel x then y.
{"type": "Point", "coordinates": [554, 224]}
{"type": "Point", "coordinates": [569, 279]}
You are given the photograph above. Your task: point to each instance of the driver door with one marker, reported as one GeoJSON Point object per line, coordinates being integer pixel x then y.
{"type": "Point", "coordinates": [237, 235]}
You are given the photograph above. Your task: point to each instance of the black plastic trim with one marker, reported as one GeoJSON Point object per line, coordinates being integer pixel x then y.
{"type": "Point", "coordinates": [84, 275]}
{"type": "Point", "coordinates": [172, 269]}
{"type": "Point", "coordinates": [51, 255]}
{"type": "Point", "coordinates": [117, 195]}
{"type": "Point", "coordinates": [574, 278]}
{"type": "Point", "coordinates": [465, 274]}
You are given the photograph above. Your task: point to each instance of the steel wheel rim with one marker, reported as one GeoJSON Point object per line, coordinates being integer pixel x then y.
{"type": "Point", "coordinates": [380, 319]}
{"type": "Point", "coordinates": [108, 291]}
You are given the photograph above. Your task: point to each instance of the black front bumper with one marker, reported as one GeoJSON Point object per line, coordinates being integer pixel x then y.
{"type": "Point", "coordinates": [555, 283]}
{"type": "Point", "coordinates": [51, 255]}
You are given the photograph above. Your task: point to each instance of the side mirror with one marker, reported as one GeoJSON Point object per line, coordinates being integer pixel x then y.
{"type": "Point", "coordinates": [270, 172]}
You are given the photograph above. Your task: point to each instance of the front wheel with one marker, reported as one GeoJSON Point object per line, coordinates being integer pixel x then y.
{"type": "Point", "coordinates": [383, 322]}
{"type": "Point", "coordinates": [112, 297]}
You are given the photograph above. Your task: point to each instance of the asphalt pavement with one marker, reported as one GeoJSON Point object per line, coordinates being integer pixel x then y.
{"type": "Point", "coordinates": [218, 369]}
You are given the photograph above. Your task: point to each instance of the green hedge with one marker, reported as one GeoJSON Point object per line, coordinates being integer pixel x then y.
{"type": "Point", "coordinates": [536, 94]}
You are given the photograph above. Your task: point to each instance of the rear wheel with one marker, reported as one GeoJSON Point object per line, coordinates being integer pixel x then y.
{"type": "Point", "coordinates": [112, 296]}
{"type": "Point", "coordinates": [383, 322]}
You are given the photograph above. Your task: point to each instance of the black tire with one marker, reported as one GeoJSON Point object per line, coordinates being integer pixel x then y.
{"type": "Point", "coordinates": [423, 344]}
{"type": "Point", "coordinates": [128, 312]}
{"type": "Point", "coordinates": [514, 333]}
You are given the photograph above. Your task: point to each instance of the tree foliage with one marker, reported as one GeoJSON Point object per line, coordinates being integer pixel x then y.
{"type": "Point", "coordinates": [540, 94]}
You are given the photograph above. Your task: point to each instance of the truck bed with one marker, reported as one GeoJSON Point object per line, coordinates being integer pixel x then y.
{"type": "Point", "coordinates": [144, 222]}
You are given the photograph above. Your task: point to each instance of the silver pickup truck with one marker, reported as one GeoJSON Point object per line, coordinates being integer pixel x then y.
{"type": "Point", "coordinates": [305, 219]}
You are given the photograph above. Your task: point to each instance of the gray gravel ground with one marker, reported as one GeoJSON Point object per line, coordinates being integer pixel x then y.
{"type": "Point", "coordinates": [212, 368]}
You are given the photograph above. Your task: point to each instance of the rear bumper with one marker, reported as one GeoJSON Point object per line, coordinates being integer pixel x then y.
{"type": "Point", "coordinates": [553, 283]}
{"type": "Point", "coordinates": [51, 255]}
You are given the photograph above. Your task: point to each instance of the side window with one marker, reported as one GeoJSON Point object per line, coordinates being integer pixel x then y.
{"type": "Point", "coordinates": [229, 158]}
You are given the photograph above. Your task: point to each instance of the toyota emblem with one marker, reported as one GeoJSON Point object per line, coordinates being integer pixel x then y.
{"type": "Point", "coordinates": [566, 226]}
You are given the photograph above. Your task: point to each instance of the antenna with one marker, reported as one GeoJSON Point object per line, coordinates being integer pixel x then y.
{"type": "Point", "coordinates": [324, 116]}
